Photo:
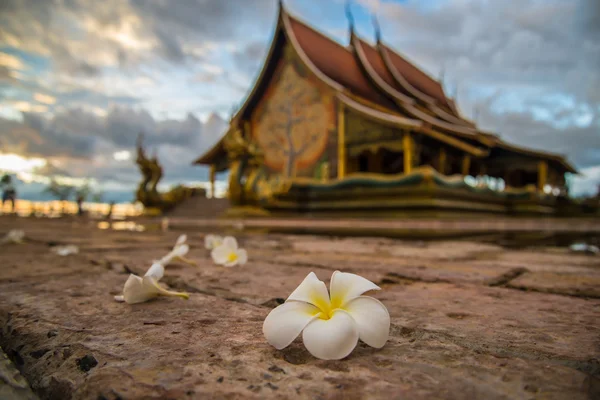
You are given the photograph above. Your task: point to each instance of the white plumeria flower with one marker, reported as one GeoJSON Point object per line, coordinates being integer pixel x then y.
{"type": "Point", "coordinates": [330, 324]}
{"type": "Point", "coordinates": [13, 236]}
{"type": "Point", "coordinates": [228, 254]}
{"type": "Point", "coordinates": [139, 290]}
{"type": "Point", "coordinates": [66, 250]}
{"type": "Point", "coordinates": [212, 241]}
{"type": "Point", "coordinates": [179, 251]}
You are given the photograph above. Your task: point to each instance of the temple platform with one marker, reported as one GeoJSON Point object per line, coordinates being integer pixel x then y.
{"type": "Point", "coordinates": [469, 319]}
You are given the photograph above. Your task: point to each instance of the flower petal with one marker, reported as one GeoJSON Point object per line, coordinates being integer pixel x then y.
{"type": "Point", "coordinates": [220, 254]}
{"type": "Point", "coordinates": [230, 242]}
{"type": "Point", "coordinates": [181, 240]}
{"type": "Point", "coordinates": [208, 242]}
{"type": "Point", "coordinates": [312, 291]}
{"type": "Point", "coordinates": [178, 251]}
{"type": "Point", "coordinates": [331, 339]}
{"type": "Point", "coordinates": [285, 322]}
{"type": "Point", "coordinates": [181, 250]}
{"type": "Point", "coordinates": [156, 270]}
{"type": "Point", "coordinates": [135, 291]}
{"type": "Point", "coordinates": [345, 287]}
{"type": "Point", "coordinates": [372, 320]}
{"type": "Point", "coordinates": [242, 256]}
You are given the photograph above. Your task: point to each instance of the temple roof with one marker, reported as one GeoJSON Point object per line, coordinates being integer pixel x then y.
{"type": "Point", "coordinates": [377, 79]}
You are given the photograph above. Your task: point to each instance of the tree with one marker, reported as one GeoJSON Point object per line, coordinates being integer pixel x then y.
{"type": "Point", "coordinates": [97, 197]}
{"type": "Point", "coordinates": [293, 127]}
{"type": "Point", "coordinates": [60, 191]}
{"type": "Point", "coordinates": [83, 191]}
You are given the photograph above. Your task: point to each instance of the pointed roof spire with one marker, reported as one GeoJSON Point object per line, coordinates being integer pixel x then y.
{"type": "Point", "coordinates": [350, 17]}
{"type": "Point", "coordinates": [377, 28]}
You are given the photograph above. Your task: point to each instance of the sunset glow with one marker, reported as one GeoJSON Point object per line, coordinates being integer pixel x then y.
{"type": "Point", "coordinates": [14, 163]}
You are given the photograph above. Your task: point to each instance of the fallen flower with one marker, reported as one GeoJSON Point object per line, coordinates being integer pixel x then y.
{"type": "Point", "coordinates": [330, 324]}
{"type": "Point", "coordinates": [13, 236]}
{"type": "Point", "coordinates": [65, 250]}
{"type": "Point", "coordinates": [179, 251]}
{"type": "Point", "coordinates": [584, 248]}
{"type": "Point", "coordinates": [139, 290]}
{"type": "Point", "coordinates": [228, 254]}
{"type": "Point", "coordinates": [212, 241]}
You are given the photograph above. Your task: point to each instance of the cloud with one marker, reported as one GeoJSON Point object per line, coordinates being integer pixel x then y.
{"type": "Point", "coordinates": [249, 58]}
{"type": "Point", "coordinates": [44, 98]}
{"type": "Point", "coordinates": [90, 75]}
{"type": "Point", "coordinates": [84, 144]}
{"type": "Point", "coordinates": [6, 74]}
{"type": "Point", "coordinates": [93, 35]}
{"type": "Point", "coordinates": [10, 61]}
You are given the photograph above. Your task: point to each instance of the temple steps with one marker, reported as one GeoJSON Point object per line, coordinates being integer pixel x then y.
{"type": "Point", "coordinates": [200, 207]}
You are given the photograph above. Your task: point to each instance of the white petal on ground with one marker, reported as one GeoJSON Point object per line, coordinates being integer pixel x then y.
{"type": "Point", "coordinates": [372, 320]}
{"type": "Point", "coordinates": [331, 339]}
{"type": "Point", "coordinates": [285, 322]}
{"type": "Point", "coordinates": [235, 257]}
{"type": "Point", "coordinates": [242, 256]}
{"type": "Point", "coordinates": [181, 250]}
{"type": "Point", "coordinates": [66, 250]}
{"type": "Point", "coordinates": [120, 298]}
{"type": "Point", "coordinates": [345, 287]}
{"type": "Point", "coordinates": [156, 270]}
{"type": "Point", "coordinates": [14, 236]}
{"type": "Point", "coordinates": [181, 240]}
{"type": "Point", "coordinates": [208, 241]}
{"type": "Point", "coordinates": [312, 291]}
{"type": "Point", "coordinates": [220, 254]}
{"type": "Point", "coordinates": [138, 291]}
{"type": "Point", "coordinates": [212, 241]}
{"type": "Point", "coordinates": [230, 241]}
{"type": "Point", "coordinates": [178, 251]}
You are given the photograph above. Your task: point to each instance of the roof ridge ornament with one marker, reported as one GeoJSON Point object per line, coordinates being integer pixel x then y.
{"type": "Point", "coordinates": [350, 18]}
{"type": "Point", "coordinates": [377, 28]}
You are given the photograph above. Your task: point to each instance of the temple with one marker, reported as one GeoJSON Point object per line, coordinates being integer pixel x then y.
{"type": "Point", "coordinates": [360, 130]}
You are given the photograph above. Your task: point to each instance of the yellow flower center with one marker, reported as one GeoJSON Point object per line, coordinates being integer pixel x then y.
{"type": "Point", "coordinates": [326, 308]}
{"type": "Point", "coordinates": [327, 314]}
{"type": "Point", "coordinates": [232, 257]}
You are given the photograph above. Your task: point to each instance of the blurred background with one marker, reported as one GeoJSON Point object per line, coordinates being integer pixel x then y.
{"type": "Point", "coordinates": [80, 79]}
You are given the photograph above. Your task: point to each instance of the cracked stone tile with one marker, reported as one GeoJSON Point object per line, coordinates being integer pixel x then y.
{"type": "Point", "coordinates": [572, 284]}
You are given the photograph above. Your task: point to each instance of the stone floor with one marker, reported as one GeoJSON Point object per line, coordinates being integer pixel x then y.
{"type": "Point", "coordinates": [469, 320]}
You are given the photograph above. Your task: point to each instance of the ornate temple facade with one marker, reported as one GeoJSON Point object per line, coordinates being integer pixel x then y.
{"type": "Point", "coordinates": [360, 130]}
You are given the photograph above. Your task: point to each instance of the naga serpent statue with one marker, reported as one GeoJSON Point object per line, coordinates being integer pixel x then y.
{"type": "Point", "coordinates": [152, 172]}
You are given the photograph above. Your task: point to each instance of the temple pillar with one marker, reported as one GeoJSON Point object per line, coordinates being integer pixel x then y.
{"type": "Point", "coordinates": [466, 165]}
{"type": "Point", "coordinates": [542, 175]}
{"type": "Point", "coordinates": [213, 173]}
{"type": "Point", "coordinates": [407, 145]}
{"type": "Point", "coordinates": [341, 167]}
{"type": "Point", "coordinates": [442, 161]}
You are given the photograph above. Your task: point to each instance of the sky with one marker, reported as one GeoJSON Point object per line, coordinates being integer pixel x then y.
{"type": "Point", "coordinates": [79, 79]}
